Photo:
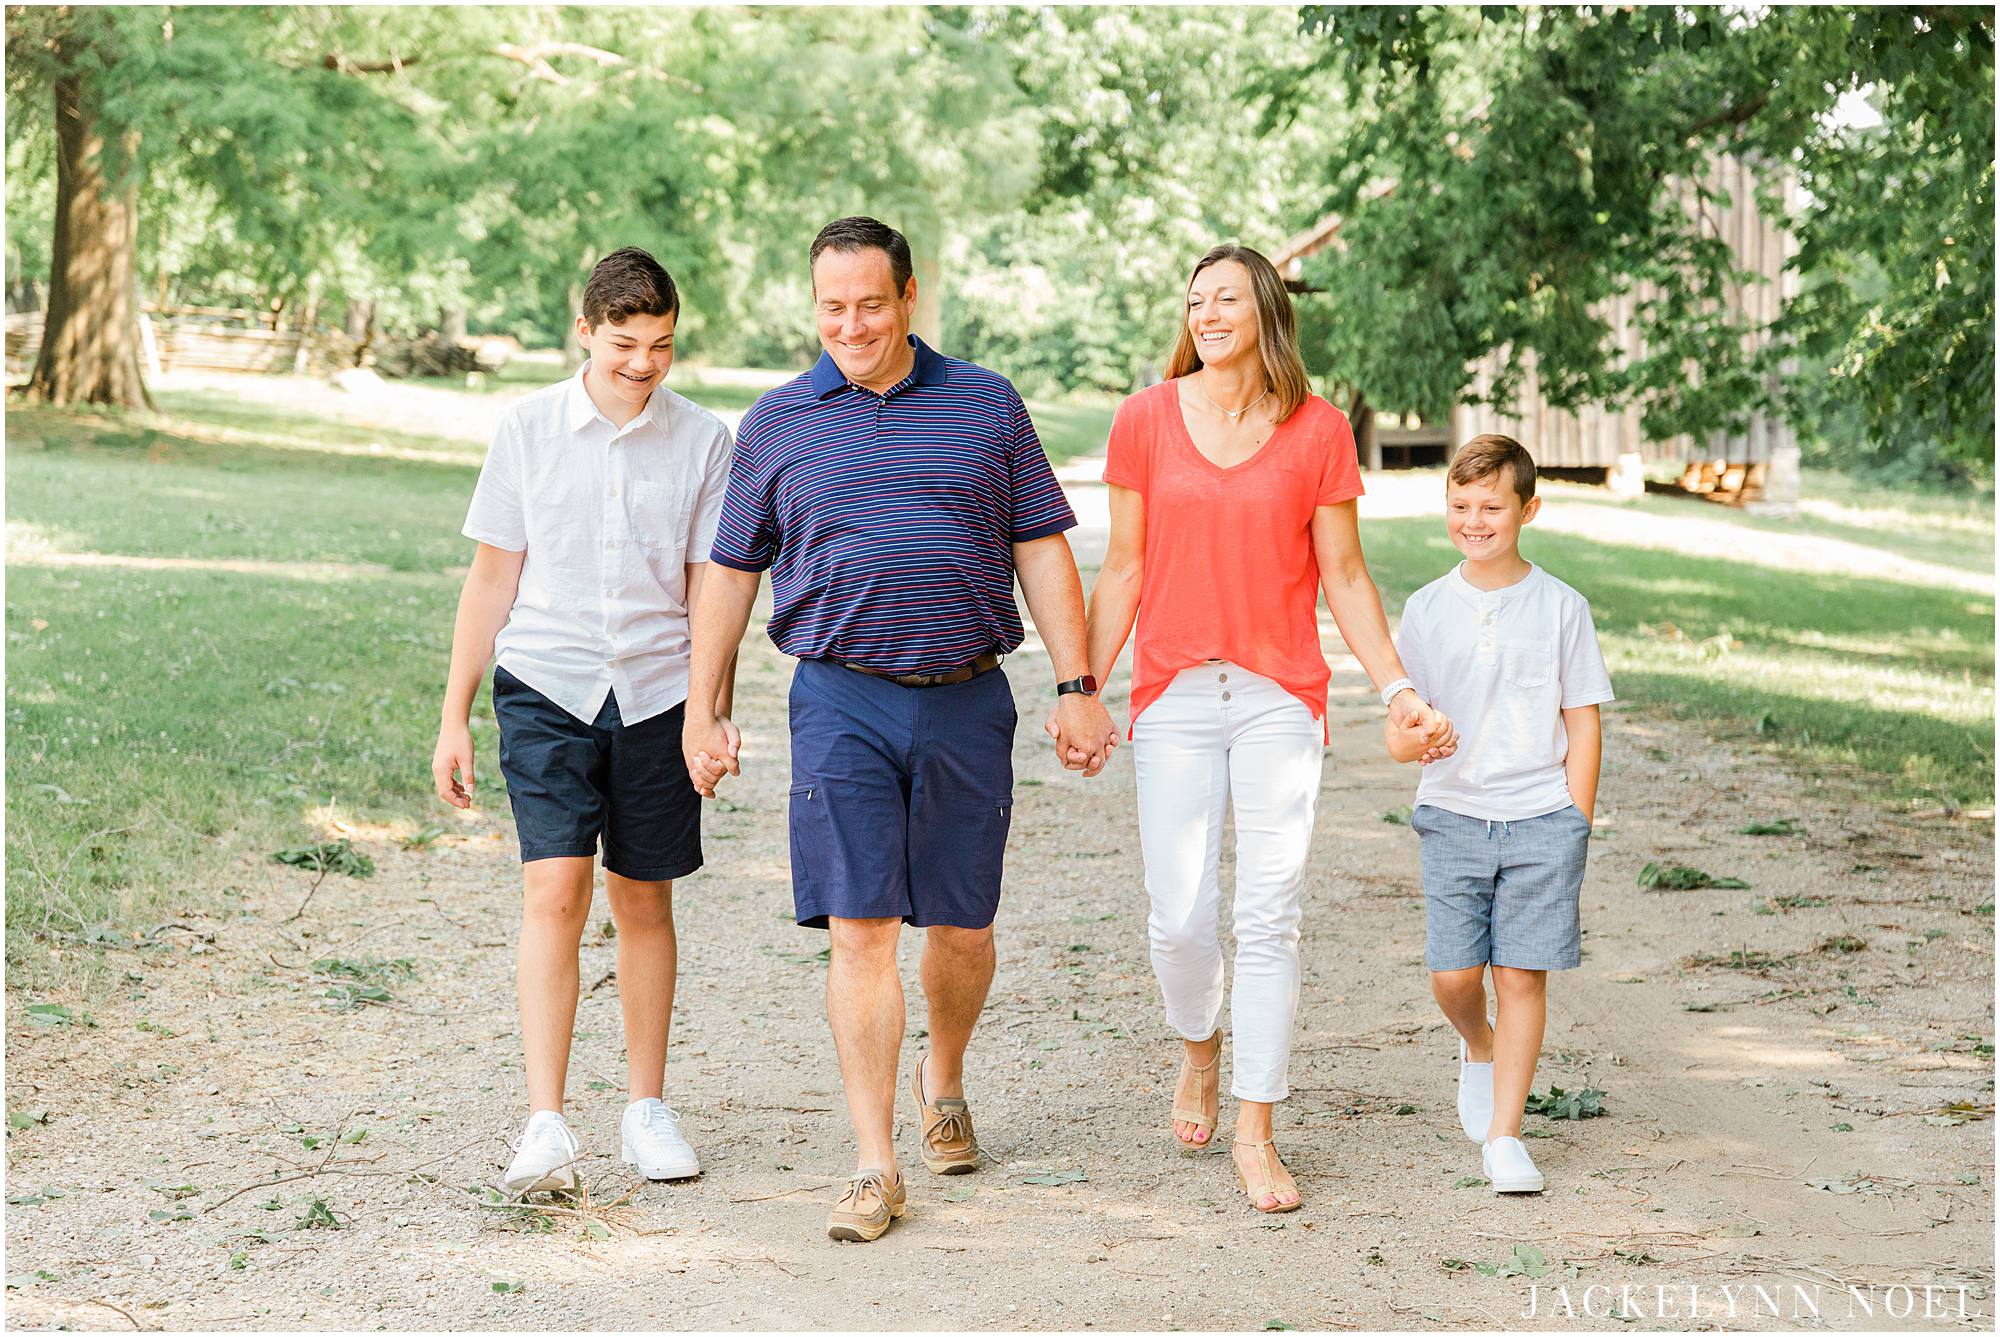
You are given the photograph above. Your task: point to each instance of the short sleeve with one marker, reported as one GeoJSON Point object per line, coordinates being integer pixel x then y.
{"type": "Point", "coordinates": [1410, 648]}
{"type": "Point", "coordinates": [1128, 458]}
{"type": "Point", "coordinates": [1584, 679]}
{"type": "Point", "coordinates": [1340, 471]}
{"type": "Point", "coordinates": [746, 530]}
{"type": "Point", "coordinates": [495, 516]}
{"type": "Point", "coordinates": [714, 488]}
{"type": "Point", "coordinates": [1039, 507]}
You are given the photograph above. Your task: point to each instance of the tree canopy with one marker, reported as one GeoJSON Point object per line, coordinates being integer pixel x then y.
{"type": "Point", "coordinates": [1501, 173]}
{"type": "Point", "coordinates": [1511, 168]}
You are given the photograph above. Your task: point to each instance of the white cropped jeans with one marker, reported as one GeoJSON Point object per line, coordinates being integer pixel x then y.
{"type": "Point", "coordinates": [1220, 735]}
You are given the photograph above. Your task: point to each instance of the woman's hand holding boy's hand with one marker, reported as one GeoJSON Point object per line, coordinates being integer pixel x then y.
{"type": "Point", "coordinates": [451, 764]}
{"type": "Point", "coordinates": [1419, 731]}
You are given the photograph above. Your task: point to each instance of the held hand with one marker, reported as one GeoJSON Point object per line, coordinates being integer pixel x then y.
{"type": "Point", "coordinates": [1442, 739]}
{"type": "Point", "coordinates": [1410, 713]}
{"type": "Point", "coordinates": [451, 765]}
{"type": "Point", "coordinates": [710, 747]}
{"type": "Point", "coordinates": [1084, 733]}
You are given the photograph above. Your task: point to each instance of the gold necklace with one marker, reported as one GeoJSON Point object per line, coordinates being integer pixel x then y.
{"type": "Point", "coordinates": [1236, 414]}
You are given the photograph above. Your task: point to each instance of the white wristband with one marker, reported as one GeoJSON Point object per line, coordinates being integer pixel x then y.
{"type": "Point", "coordinates": [1389, 692]}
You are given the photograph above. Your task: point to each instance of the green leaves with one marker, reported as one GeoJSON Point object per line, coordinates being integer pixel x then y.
{"type": "Point", "coordinates": [1657, 876]}
{"type": "Point", "coordinates": [55, 1014]}
{"type": "Point", "coordinates": [337, 856]}
{"type": "Point", "coordinates": [1055, 1177]}
{"type": "Point", "coordinates": [361, 981]}
{"type": "Point", "coordinates": [318, 1216]}
{"type": "Point", "coordinates": [1557, 1103]}
{"type": "Point", "coordinates": [1527, 1260]}
{"type": "Point", "coordinates": [1784, 826]}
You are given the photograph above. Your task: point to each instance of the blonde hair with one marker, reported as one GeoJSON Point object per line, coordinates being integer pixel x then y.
{"type": "Point", "coordinates": [1484, 456]}
{"type": "Point", "coordinates": [1277, 329]}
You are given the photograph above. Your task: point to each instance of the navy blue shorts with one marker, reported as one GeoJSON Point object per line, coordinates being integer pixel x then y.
{"type": "Point", "coordinates": [901, 797]}
{"type": "Point", "coordinates": [570, 782]}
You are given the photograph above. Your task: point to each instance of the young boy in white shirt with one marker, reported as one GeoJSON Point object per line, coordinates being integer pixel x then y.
{"type": "Point", "coordinates": [1508, 652]}
{"type": "Point", "coordinates": [594, 514]}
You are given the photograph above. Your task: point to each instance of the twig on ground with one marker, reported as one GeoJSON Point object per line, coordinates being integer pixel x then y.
{"type": "Point", "coordinates": [310, 891]}
{"type": "Point", "coordinates": [137, 1326]}
{"type": "Point", "coordinates": [803, 1188]}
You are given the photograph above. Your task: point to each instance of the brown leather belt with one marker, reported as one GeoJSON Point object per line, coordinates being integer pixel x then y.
{"type": "Point", "coordinates": [983, 664]}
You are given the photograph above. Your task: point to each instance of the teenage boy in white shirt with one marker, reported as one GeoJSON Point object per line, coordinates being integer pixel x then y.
{"type": "Point", "coordinates": [1509, 653]}
{"type": "Point", "coordinates": [594, 514]}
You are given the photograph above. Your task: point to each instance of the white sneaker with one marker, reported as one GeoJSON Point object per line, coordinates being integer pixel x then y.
{"type": "Point", "coordinates": [650, 1134]}
{"type": "Point", "coordinates": [1475, 1096]}
{"type": "Point", "coordinates": [544, 1157]}
{"type": "Point", "coordinates": [1509, 1167]}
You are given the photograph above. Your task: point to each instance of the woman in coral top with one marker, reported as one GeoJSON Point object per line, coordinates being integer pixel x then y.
{"type": "Point", "coordinates": [1233, 493]}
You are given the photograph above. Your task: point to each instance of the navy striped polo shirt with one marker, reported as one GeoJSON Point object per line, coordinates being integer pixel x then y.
{"type": "Point", "coordinates": [887, 521]}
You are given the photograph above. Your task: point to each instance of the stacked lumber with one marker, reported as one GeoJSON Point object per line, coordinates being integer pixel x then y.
{"type": "Point", "coordinates": [1731, 482]}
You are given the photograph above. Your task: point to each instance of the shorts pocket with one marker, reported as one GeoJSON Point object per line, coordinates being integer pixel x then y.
{"type": "Point", "coordinates": [813, 845]}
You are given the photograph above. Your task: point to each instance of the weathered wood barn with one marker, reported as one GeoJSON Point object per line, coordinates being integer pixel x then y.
{"type": "Point", "coordinates": [1595, 437]}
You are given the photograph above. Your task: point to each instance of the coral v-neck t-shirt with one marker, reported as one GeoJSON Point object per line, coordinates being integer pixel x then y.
{"type": "Point", "coordinates": [1229, 566]}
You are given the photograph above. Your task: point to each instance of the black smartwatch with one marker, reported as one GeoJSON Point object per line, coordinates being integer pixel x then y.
{"type": "Point", "coordinates": [1086, 684]}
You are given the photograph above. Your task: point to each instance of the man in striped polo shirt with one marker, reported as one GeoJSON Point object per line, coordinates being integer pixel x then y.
{"type": "Point", "coordinates": [894, 494]}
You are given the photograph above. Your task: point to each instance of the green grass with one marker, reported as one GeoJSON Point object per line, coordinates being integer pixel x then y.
{"type": "Point", "coordinates": [169, 713]}
{"type": "Point", "coordinates": [1841, 673]}
{"type": "Point", "coordinates": [1071, 429]}
{"type": "Point", "coordinates": [161, 720]}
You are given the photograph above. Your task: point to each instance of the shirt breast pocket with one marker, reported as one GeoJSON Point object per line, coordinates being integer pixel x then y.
{"type": "Point", "coordinates": [1526, 665]}
{"type": "Point", "coordinates": [660, 517]}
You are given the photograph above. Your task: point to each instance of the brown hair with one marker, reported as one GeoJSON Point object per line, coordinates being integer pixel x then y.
{"type": "Point", "coordinates": [627, 283]}
{"type": "Point", "coordinates": [1277, 330]}
{"type": "Point", "coordinates": [861, 233]}
{"type": "Point", "coordinates": [1484, 456]}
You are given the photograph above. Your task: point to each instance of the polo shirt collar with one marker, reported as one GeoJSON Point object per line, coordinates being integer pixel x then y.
{"type": "Point", "coordinates": [826, 376]}
{"type": "Point", "coordinates": [579, 409]}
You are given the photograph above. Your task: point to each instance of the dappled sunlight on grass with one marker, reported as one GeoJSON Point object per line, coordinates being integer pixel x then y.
{"type": "Point", "coordinates": [1891, 676]}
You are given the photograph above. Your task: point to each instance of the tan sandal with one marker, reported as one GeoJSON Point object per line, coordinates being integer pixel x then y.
{"type": "Point", "coordinates": [1267, 1152]}
{"type": "Point", "coordinates": [1201, 1119]}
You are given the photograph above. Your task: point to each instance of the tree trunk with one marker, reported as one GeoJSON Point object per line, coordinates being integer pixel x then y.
{"type": "Point", "coordinates": [360, 320]}
{"type": "Point", "coordinates": [927, 321]}
{"type": "Point", "coordinates": [573, 354]}
{"type": "Point", "coordinates": [452, 323]}
{"type": "Point", "coordinates": [90, 343]}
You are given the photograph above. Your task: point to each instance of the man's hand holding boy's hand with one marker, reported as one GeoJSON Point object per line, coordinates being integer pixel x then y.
{"type": "Point", "coordinates": [709, 746]}
{"type": "Point", "coordinates": [451, 764]}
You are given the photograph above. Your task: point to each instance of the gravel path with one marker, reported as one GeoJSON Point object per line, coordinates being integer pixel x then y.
{"type": "Point", "coordinates": [1783, 1116]}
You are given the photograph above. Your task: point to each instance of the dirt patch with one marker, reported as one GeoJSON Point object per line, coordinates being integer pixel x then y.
{"type": "Point", "coordinates": [280, 1123]}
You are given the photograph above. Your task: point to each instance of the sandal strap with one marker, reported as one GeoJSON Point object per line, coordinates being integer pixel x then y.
{"type": "Point", "coordinates": [1208, 1066]}
{"type": "Point", "coordinates": [1267, 1151]}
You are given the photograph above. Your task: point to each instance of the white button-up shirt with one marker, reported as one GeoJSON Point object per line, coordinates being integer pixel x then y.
{"type": "Point", "coordinates": [610, 519]}
{"type": "Point", "coordinates": [1503, 664]}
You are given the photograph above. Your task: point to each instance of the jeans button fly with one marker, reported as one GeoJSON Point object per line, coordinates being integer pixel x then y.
{"type": "Point", "coordinates": [1222, 677]}
{"type": "Point", "coordinates": [1225, 696]}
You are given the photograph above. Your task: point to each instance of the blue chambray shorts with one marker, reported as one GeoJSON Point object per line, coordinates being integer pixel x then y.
{"type": "Point", "coordinates": [1502, 893]}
